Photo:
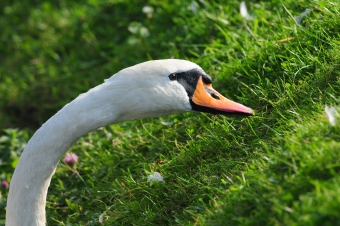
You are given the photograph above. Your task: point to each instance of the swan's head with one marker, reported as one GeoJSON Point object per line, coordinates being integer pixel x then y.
{"type": "Point", "coordinates": [163, 87]}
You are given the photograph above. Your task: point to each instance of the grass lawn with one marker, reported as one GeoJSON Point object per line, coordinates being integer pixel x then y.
{"type": "Point", "coordinates": [279, 167]}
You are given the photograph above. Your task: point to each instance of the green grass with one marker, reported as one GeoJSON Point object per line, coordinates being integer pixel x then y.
{"type": "Point", "coordinates": [280, 167]}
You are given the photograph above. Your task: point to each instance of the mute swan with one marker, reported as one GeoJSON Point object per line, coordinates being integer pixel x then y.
{"type": "Point", "coordinates": [150, 89]}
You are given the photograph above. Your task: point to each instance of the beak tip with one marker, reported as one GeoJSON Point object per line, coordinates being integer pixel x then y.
{"type": "Point", "coordinates": [246, 110]}
{"type": "Point", "coordinates": [251, 112]}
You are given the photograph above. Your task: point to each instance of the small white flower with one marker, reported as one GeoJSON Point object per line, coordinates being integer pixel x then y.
{"type": "Point", "coordinates": [155, 177]}
{"type": "Point", "coordinates": [331, 113]}
{"type": "Point", "coordinates": [244, 11]}
{"type": "Point", "coordinates": [147, 9]}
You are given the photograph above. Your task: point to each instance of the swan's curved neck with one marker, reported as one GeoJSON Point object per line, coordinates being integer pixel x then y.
{"type": "Point", "coordinates": [141, 91]}
{"type": "Point", "coordinates": [32, 176]}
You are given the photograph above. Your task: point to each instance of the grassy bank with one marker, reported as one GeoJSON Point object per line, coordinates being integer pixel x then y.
{"type": "Point", "coordinates": [280, 167]}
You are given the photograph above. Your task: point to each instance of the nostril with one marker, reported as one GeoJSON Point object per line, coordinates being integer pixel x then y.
{"type": "Point", "coordinates": [214, 96]}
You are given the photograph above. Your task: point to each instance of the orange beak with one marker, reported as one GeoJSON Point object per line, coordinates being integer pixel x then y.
{"type": "Point", "coordinates": [206, 96]}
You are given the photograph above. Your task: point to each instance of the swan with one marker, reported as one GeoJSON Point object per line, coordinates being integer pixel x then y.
{"type": "Point", "coordinates": [150, 89]}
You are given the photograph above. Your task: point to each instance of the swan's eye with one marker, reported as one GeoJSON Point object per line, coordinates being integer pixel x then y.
{"type": "Point", "coordinates": [173, 76]}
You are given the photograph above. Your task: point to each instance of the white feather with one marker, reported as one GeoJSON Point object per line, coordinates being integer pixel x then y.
{"type": "Point", "coordinates": [155, 177]}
